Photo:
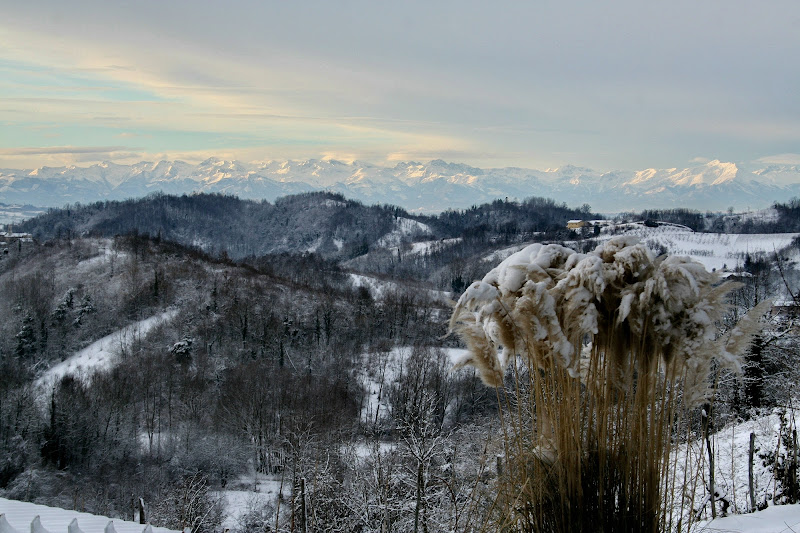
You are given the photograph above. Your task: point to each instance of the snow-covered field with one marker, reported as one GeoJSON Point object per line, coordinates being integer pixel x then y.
{"type": "Point", "coordinates": [101, 354]}
{"type": "Point", "coordinates": [504, 253]}
{"type": "Point", "coordinates": [778, 519]}
{"type": "Point", "coordinates": [19, 515]}
{"type": "Point", "coordinates": [717, 251]}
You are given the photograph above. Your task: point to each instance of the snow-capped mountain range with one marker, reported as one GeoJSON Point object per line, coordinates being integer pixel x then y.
{"type": "Point", "coordinates": [426, 187]}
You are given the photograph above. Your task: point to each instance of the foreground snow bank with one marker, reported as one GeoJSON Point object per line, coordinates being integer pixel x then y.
{"type": "Point", "coordinates": [19, 516]}
{"type": "Point", "coordinates": [778, 519]}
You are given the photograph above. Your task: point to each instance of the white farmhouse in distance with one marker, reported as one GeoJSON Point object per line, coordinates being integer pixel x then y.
{"type": "Point", "coordinates": [578, 223]}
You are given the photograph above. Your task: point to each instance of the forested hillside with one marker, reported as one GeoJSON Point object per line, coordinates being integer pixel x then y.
{"type": "Point", "coordinates": [153, 347]}
{"type": "Point", "coordinates": [325, 223]}
{"type": "Point", "coordinates": [260, 369]}
{"type": "Point", "coordinates": [321, 222]}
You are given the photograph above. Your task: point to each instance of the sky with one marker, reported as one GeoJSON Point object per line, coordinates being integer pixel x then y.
{"type": "Point", "coordinates": [539, 84]}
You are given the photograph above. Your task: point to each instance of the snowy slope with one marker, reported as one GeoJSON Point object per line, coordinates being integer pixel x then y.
{"type": "Point", "coordinates": [381, 370]}
{"type": "Point", "coordinates": [425, 247]}
{"type": "Point", "coordinates": [731, 448]}
{"type": "Point", "coordinates": [404, 229]}
{"type": "Point", "coordinates": [20, 515]}
{"type": "Point", "coordinates": [731, 451]}
{"type": "Point", "coordinates": [780, 519]}
{"type": "Point", "coordinates": [379, 288]}
{"type": "Point", "coordinates": [102, 354]}
{"type": "Point", "coordinates": [714, 250]}
{"type": "Point", "coordinates": [717, 251]}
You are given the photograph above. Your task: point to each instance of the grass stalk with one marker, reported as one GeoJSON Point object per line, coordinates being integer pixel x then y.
{"type": "Point", "coordinates": [609, 350]}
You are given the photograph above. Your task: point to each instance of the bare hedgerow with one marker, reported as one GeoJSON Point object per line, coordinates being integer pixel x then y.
{"type": "Point", "coordinates": [189, 504]}
{"type": "Point", "coordinates": [615, 344]}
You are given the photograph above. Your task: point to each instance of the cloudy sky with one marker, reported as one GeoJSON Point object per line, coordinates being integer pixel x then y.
{"type": "Point", "coordinates": [610, 85]}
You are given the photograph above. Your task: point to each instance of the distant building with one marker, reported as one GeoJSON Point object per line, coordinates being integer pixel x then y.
{"type": "Point", "coordinates": [9, 237]}
{"type": "Point", "coordinates": [577, 224]}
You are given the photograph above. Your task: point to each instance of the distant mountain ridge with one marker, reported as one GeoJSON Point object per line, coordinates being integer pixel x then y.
{"type": "Point", "coordinates": [425, 187]}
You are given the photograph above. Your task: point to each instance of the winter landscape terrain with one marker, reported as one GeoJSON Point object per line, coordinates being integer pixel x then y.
{"type": "Point", "coordinates": [399, 267]}
{"type": "Point", "coordinates": [289, 362]}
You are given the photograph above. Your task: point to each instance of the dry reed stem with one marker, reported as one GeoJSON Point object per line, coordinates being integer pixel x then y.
{"type": "Point", "coordinates": [617, 344]}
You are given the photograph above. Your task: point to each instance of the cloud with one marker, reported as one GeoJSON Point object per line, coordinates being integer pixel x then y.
{"type": "Point", "coordinates": [107, 68]}
{"type": "Point", "coordinates": [781, 159]}
{"type": "Point", "coordinates": [125, 157]}
{"type": "Point", "coordinates": [450, 155]}
{"type": "Point", "coordinates": [522, 83]}
{"type": "Point", "coordinates": [130, 134]}
{"type": "Point", "coordinates": [345, 157]}
{"type": "Point", "coordinates": [60, 150]}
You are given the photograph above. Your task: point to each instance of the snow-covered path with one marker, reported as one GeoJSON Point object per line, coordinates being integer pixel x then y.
{"type": "Point", "coordinates": [102, 353]}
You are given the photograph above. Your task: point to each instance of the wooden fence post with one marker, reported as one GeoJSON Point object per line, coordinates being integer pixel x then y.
{"type": "Point", "coordinates": [142, 512]}
{"type": "Point", "coordinates": [750, 472]}
{"type": "Point", "coordinates": [303, 513]}
{"type": "Point", "coordinates": [706, 418]}
{"type": "Point", "coordinates": [794, 465]}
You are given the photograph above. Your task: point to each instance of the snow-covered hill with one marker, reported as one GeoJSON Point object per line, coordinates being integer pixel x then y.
{"type": "Point", "coordinates": [432, 186]}
{"type": "Point", "coordinates": [717, 251]}
{"type": "Point", "coordinates": [404, 229]}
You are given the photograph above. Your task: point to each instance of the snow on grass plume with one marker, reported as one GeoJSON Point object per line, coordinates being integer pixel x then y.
{"type": "Point", "coordinates": [618, 343]}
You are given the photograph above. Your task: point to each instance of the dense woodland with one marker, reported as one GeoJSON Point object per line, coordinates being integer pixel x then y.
{"type": "Point", "coordinates": [261, 370]}
{"type": "Point", "coordinates": [271, 357]}
{"type": "Point", "coordinates": [311, 221]}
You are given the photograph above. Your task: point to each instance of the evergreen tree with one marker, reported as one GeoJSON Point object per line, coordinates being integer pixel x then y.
{"type": "Point", "coordinates": [26, 338]}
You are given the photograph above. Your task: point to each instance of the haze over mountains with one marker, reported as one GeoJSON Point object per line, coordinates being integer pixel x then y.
{"type": "Point", "coordinates": [425, 187]}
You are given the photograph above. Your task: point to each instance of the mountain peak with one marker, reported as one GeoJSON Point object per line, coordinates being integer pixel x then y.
{"type": "Point", "coordinates": [433, 186]}
{"type": "Point", "coordinates": [727, 171]}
